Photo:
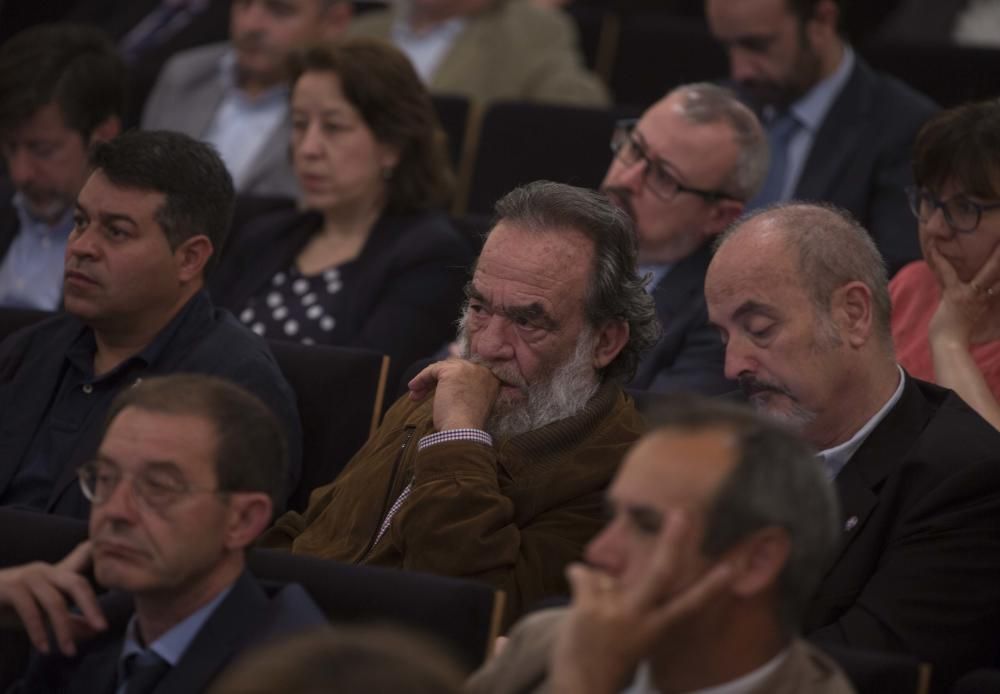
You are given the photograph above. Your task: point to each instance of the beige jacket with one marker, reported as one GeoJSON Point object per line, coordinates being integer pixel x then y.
{"type": "Point", "coordinates": [513, 51]}
{"type": "Point", "coordinates": [521, 668]}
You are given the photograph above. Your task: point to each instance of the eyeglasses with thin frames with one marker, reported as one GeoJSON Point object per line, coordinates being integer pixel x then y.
{"type": "Point", "coordinates": [629, 148]}
{"type": "Point", "coordinates": [156, 488]}
{"type": "Point", "coordinates": [961, 214]}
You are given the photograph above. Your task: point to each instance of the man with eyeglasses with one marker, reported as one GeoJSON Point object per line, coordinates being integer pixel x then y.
{"type": "Point", "coordinates": [187, 475]}
{"type": "Point", "coordinates": [946, 307]}
{"type": "Point", "coordinates": [683, 172]}
{"type": "Point", "coordinates": [840, 132]}
{"type": "Point", "coordinates": [800, 295]}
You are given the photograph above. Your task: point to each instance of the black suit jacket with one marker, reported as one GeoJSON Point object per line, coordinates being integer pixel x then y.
{"type": "Point", "coordinates": [247, 617]}
{"type": "Point", "coordinates": [689, 355]}
{"type": "Point", "coordinates": [860, 159]}
{"type": "Point", "coordinates": [9, 222]}
{"type": "Point", "coordinates": [405, 287]}
{"type": "Point", "coordinates": [918, 570]}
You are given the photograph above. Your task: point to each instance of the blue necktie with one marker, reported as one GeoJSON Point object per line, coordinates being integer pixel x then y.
{"type": "Point", "coordinates": [779, 134]}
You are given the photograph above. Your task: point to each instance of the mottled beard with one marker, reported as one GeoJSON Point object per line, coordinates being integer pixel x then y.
{"type": "Point", "coordinates": [556, 394]}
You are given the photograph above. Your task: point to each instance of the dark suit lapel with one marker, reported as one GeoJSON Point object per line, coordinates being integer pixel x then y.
{"type": "Point", "coordinates": [684, 283]}
{"type": "Point", "coordinates": [839, 136]}
{"type": "Point", "coordinates": [235, 621]}
{"type": "Point", "coordinates": [882, 452]}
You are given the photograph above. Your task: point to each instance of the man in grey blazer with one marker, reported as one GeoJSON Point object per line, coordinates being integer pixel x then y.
{"type": "Point", "coordinates": [683, 173]}
{"type": "Point", "coordinates": [840, 131]}
{"type": "Point", "coordinates": [234, 95]}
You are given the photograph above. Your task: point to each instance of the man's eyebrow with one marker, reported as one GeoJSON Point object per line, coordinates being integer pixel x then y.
{"type": "Point", "coordinates": [532, 313]}
{"type": "Point", "coordinates": [472, 293]}
{"type": "Point", "coordinates": [751, 307]}
{"type": "Point", "coordinates": [116, 217]}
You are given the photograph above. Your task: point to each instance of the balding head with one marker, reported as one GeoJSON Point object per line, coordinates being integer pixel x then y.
{"type": "Point", "coordinates": [800, 296]}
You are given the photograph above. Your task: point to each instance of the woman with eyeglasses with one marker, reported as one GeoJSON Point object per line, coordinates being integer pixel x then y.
{"type": "Point", "coordinates": [946, 307]}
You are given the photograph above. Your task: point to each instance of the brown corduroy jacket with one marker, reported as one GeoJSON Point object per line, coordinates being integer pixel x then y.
{"type": "Point", "coordinates": [512, 515]}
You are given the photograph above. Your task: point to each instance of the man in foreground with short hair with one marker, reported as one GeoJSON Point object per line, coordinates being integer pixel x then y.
{"type": "Point", "coordinates": [799, 294]}
{"type": "Point", "coordinates": [721, 526]}
{"type": "Point", "coordinates": [62, 89]}
{"type": "Point", "coordinates": [683, 172]}
{"type": "Point", "coordinates": [187, 475]}
{"type": "Point", "coordinates": [146, 224]}
{"type": "Point", "coordinates": [494, 466]}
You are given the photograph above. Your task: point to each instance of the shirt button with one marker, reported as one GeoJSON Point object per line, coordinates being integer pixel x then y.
{"type": "Point", "coordinates": [87, 388]}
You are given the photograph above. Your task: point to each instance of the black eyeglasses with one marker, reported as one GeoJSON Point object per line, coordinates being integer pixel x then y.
{"type": "Point", "coordinates": [156, 488]}
{"type": "Point", "coordinates": [628, 146]}
{"type": "Point", "coordinates": [961, 214]}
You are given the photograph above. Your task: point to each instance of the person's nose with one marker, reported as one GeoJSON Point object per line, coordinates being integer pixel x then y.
{"type": "Point", "coordinates": [492, 341]}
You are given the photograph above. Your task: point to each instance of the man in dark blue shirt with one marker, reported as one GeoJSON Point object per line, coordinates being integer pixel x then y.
{"type": "Point", "coordinates": [145, 227]}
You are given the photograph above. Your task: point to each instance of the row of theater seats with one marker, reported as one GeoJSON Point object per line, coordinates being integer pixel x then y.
{"type": "Point", "coordinates": [341, 395]}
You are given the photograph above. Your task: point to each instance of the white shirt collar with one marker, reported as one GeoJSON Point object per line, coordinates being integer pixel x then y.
{"type": "Point", "coordinates": [834, 459]}
{"type": "Point", "coordinates": [643, 683]}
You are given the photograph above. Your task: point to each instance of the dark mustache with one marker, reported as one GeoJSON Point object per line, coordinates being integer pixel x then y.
{"type": "Point", "coordinates": [751, 385]}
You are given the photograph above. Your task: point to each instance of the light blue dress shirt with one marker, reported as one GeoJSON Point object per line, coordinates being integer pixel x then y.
{"type": "Point", "coordinates": [31, 273]}
{"type": "Point", "coordinates": [426, 49]}
{"type": "Point", "coordinates": [172, 644]}
{"type": "Point", "coordinates": [242, 126]}
{"type": "Point", "coordinates": [810, 112]}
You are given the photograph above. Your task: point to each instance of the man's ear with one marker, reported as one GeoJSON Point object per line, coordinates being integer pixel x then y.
{"type": "Point", "coordinates": [611, 339]}
{"type": "Point", "coordinates": [724, 212]}
{"type": "Point", "coordinates": [249, 514]}
{"type": "Point", "coordinates": [192, 256]}
{"type": "Point", "coordinates": [759, 560]}
{"type": "Point", "coordinates": [107, 129]}
{"type": "Point", "coordinates": [852, 307]}
{"type": "Point", "coordinates": [821, 27]}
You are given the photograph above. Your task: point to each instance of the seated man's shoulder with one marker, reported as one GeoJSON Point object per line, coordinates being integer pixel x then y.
{"type": "Point", "coordinates": [201, 59]}
{"type": "Point", "coordinates": [49, 335]}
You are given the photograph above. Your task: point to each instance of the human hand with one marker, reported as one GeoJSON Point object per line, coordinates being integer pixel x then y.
{"type": "Point", "coordinates": [610, 627]}
{"type": "Point", "coordinates": [964, 305]}
{"type": "Point", "coordinates": [37, 588]}
{"type": "Point", "coordinates": [465, 393]}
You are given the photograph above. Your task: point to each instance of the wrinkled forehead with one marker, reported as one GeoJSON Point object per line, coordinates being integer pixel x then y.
{"type": "Point", "coordinates": [674, 468]}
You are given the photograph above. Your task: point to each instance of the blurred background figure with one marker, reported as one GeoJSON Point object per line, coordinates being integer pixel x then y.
{"type": "Point", "coordinates": [234, 94]}
{"type": "Point", "coordinates": [489, 49]}
{"type": "Point", "coordinates": [346, 659]}
{"type": "Point", "coordinates": [371, 262]}
{"type": "Point", "coordinates": [946, 307]}
{"type": "Point", "coordinates": [62, 89]}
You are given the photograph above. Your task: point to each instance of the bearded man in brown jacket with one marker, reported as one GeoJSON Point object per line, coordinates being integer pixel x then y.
{"type": "Point", "coordinates": [494, 466]}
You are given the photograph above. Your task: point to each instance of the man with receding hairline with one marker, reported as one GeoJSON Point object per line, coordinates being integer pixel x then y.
{"type": "Point", "coordinates": [799, 295]}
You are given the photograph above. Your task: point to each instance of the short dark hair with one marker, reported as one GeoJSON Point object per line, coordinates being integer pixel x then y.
{"type": "Point", "coordinates": [251, 453]}
{"type": "Point", "coordinates": [198, 188]}
{"type": "Point", "coordinates": [380, 82]}
{"type": "Point", "coordinates": [615, 292]}
{"type": "Point", "coordinates": [804, 10]}
{"type": "Point", "coordinates": [74, 66]}
{"type": "Point", "coordinates": [961, 145]}
{"type": "Point", "coordinates": [776, 481]}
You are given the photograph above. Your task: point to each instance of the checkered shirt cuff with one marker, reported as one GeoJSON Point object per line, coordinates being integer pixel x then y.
{"type": "Point", "coordinates": [477, 435]}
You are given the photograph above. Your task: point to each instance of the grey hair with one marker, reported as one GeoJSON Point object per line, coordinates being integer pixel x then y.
{"type": "Point", "coordinates": [615, 291]}
{"type": "Point", "coordinates": [777, 481]}
{"type": "Point", "coordinates": [833, 249]}
{"type": "Point", "coordinates": [704, 103]}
